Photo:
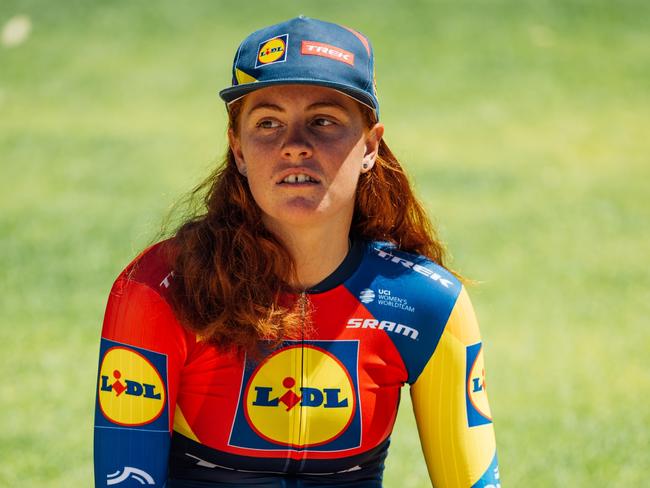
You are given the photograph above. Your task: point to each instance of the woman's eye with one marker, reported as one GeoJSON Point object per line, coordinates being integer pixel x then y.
{"type": "Point", "coordinates": [268, 124]}
{"type": "Point", "coordinates": [323, 122]}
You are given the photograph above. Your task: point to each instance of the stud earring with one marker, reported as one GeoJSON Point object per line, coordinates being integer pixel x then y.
{"type": "Point", "coordinates": [365, 165]}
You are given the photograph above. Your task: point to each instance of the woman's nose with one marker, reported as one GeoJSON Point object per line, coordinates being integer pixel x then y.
{"type": "Point", "coordinates": [297, 146]}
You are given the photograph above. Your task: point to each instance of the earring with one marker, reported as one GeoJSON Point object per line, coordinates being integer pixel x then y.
{"type": "Point", "coordinates": [365, 165]}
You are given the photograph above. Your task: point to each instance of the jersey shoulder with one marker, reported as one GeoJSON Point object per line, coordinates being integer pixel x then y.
{"type": "Point", "coordinates": [425, 285]}
{"type": "Point", "coordinates": [139, 311]}
{"type": "Point", "coordinates": [152, 268]}
{"type": "Point", "coordinates": [410, 291]}
{"type": "Point", "coordinates": [419, 269]}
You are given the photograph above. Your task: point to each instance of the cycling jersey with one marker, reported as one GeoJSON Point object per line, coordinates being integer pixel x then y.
{"type": "Point", "coordinates": [317, 410]}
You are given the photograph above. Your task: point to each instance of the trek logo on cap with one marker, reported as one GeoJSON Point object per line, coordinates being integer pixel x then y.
{"type": "Point", "coordinates": [272, 51]}
{"type": "Point", "coordinates": [314, 48]}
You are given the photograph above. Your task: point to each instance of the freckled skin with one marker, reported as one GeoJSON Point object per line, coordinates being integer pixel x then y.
{"type": "Point", "coordinates": [299, 129]}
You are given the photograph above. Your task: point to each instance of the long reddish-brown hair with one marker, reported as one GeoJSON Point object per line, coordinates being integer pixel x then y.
{"type": "Point", "coordinates": [232, 273]}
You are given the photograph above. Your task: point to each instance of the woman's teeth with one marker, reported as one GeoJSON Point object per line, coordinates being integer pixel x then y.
{"type": "Point", "coordinates": [298, 179]}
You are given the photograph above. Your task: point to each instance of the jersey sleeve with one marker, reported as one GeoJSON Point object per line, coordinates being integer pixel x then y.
{"type": "Point", "coordinates": [451, 407]}
{"type": "Point", "coordinates": [142, 351]}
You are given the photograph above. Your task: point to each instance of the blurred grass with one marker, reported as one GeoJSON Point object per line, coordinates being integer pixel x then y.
{"type": "Point", "coordinates": [523, 124]}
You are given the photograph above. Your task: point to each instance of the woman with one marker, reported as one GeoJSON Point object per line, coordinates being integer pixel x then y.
{"type": "Point", "coordinates": [266, 343]}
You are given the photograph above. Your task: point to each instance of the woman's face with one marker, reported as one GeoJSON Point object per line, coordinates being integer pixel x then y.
{"type": "Point", "coordinates": [302, 149]}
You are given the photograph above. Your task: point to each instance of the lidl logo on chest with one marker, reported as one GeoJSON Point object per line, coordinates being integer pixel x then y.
{"type": "Point", "coordinates": [301, 397]}
{"type": "Point", "coordinates": [308, 397]}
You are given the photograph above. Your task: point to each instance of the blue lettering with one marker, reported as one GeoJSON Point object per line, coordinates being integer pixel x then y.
{"type": "Point", "coordinates": [133, 388]}
{"type": "Point", "coordinates": [262, 398]}
{"type": "Point", "coordinates": [332, 398]}
{"type": "Point", "coordinates": [476, 385]}
{"type": "Point", "coordinates": [149, 392]}
{"type": "Point", "coordinates": [311, 397]}
{"type": "Point", "coordinates": [105, 386]}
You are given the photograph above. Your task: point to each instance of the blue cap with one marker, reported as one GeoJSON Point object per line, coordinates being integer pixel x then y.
{"type": "Point", "coordinates": [305, 51]}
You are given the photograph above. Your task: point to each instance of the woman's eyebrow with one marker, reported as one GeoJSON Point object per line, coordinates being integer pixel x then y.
{"type": "Point", "coordinates": [318, 105]}
{"type": "Point", "coordinates": [313, 106]}
{"type": "Point", "coordinates": [265, 105]}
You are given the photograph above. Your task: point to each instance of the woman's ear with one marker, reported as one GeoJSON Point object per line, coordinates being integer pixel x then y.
{"type": "Point", "coordinates": [373, 138]}
{"type": "Point", "coordinates": [235, 147]}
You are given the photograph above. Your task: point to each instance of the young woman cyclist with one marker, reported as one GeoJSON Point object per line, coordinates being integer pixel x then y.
{"type": "Point", "coordinates": [266, 342]}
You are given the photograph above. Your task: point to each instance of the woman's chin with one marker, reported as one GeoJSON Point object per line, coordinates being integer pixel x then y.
{"type": "Point", "coordinates": [302, 212]}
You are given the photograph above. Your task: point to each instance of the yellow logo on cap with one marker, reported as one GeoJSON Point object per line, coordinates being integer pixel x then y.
{"type": "Point", "coordinates": [300, 396]}
{"type": "Point", "coordinates": [272, 50]}
{"type": "Point", "coordinates": [131, 391]}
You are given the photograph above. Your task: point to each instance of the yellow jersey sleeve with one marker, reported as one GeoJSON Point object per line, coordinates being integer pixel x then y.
{"type": "Point", "coordinates": [451, 407]}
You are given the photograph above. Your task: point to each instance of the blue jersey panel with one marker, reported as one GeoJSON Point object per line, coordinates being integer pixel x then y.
{"type": "Point", "coordinates": [130, 457]}
{"type": "Point", "coordinates": [411, 299]}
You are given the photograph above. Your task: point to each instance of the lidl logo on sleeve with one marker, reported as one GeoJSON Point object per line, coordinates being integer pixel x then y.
{"type": "Point", "coordinates": [301, 397]}
{"type": "Point", "coordinates": [272, 51]}
{"type": "Point", "coordinates": [478, 408]}
{"type": "Point", "coordinates": [132, 384]}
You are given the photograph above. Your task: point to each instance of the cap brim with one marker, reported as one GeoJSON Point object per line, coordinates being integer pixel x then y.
{"type": "Point", "coordinates": [234, 93]}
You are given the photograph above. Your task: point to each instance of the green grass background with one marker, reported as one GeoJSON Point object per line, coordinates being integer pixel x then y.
{"type": "Point", "coordinates": [525, 126]}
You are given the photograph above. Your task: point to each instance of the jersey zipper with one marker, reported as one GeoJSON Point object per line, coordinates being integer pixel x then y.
{"type": "Point", "coordinates": [303, 310]}
{"type": "Point", "coordinates": [303, 318]}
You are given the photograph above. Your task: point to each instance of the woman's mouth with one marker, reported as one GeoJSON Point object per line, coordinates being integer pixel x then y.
{"type": "Point", "coordinates": [296, 179]}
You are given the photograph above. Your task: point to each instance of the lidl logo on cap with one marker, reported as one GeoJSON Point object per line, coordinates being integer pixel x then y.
{"type": "Point", "coordinates": [478, 408]}
{"type": "Point", "coordinates": [301, 397]}
{"type": "Point", "coordinates": [132, 389]}
{"type": "Point", "coordinates": [272, 51]}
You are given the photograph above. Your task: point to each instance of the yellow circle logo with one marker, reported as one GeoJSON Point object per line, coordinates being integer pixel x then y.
{"type": "Point", "coordinates": [131, 391]}
{"type": "Point", "coordinates": [271, 50]}
{"type": "Point", "coordinates": [300, 406]}
{"type": "Point", "coordinates": [476, 388]}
